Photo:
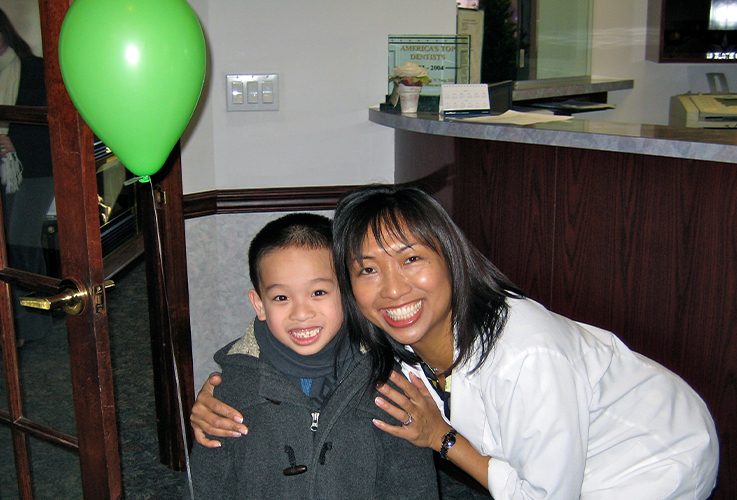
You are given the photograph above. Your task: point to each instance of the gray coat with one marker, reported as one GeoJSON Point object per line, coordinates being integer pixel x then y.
{"type": "Point", "coordinates": [297, 450]}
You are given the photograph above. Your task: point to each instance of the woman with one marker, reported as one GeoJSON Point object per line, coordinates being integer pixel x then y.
{"type": "Point", "coordinates": [531, 404]}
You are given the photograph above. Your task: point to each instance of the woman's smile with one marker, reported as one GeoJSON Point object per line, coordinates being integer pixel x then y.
{"type": "Point", "coordinates": [404, 315]}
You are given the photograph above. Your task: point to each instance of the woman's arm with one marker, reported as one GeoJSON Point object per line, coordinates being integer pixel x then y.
{"type": "Point", "coordinates": [210, 415]}
{"type": "Point", "coordinates": [427, 427]}
{"type": "Point", "coordinates": [538, 410]}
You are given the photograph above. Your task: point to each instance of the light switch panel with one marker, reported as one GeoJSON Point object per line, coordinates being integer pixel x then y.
{"type": "Point", "coordinates": [258, 92]}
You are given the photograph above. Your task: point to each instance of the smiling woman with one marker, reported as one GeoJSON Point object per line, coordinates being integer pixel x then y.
{"type": "Point", "coordinates": [498, 384]}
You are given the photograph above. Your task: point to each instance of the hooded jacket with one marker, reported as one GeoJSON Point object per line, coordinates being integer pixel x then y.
{"type": "Point", "coordinates": [298, 449]}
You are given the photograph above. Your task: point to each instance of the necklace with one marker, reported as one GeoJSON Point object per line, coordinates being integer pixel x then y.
{"type": "Point", "coordinates": [434, 370]}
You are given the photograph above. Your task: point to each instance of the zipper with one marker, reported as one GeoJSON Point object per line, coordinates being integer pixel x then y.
{"type": "Point", "coordinates": [316, 414]}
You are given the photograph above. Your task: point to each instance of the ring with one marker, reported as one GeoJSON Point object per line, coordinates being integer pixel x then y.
{"type": "Point", "coordinates": [409, 419]}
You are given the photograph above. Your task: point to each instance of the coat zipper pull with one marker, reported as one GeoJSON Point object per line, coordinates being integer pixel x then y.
{"type": "Point", "coordinates": [315, 418]}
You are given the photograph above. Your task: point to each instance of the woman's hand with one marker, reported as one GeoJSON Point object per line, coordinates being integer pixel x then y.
{"type": "Point", "coordinates": [426, 426]}
{"type": "Point", "coordinates": [6, 146]}
{"type": "Point", "coordinates": [211, 416]}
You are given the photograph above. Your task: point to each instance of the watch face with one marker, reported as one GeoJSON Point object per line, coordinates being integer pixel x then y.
{"type": "Point", "coordinates": [449, 439]}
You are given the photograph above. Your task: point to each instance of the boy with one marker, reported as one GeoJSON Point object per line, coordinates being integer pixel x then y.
{"type": "Point", "coordinates": [302, 391]}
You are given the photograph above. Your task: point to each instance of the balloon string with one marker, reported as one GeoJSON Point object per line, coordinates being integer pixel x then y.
{"type": "Point", "coordinates": [142, 178]}
{"type": "Point", "coordinates": [180, 406]}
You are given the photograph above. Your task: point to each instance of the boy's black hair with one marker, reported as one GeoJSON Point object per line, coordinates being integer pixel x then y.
{"type": "Point", "coordinates": [301, 230]}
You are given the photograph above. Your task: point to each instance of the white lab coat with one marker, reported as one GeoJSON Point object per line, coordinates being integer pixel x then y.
{"type": "Point", "coordinates": [566, 410]}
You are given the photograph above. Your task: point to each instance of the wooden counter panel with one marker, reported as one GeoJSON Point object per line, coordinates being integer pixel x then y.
{"type": "Point", "coordinates": [645, 246]}
{"type": "Point", "coordinates": [509, 213]}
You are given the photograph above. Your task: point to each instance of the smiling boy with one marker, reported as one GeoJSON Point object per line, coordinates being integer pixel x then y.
{"type": "Point", "coordinates": [302, 390]}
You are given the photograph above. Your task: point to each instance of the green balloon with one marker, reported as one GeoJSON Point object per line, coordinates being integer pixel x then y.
{"type": "Point", "coordinates": [134, 69]}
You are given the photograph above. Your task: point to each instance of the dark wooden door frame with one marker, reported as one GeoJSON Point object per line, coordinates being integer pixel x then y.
{"type": "Point", "coordinates": [89, 343]}
{"type": "Point", "coordinates": [168, 298]}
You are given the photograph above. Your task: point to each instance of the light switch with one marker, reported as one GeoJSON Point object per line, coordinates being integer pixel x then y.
{"type": "Point", "coordinates": [267, 91]}
{"type": "Point", "coordinates": [254, 92]}
{"type": "Point", "coordinates": [237, 92]}
{"type": "Point", "coordinates": [252, 89]}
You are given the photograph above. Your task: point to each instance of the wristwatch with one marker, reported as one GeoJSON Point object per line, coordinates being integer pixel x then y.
{"type": "Point", "coordinates": [448, 441]}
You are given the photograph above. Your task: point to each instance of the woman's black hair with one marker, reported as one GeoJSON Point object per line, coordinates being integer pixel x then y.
{"type": "Point", "coordinates": [13, 39]}
{"type": "Point", "coordinates": [479, 290]}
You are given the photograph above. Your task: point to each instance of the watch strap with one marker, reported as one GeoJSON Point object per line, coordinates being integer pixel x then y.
{"type": "Point", "coordinates": [448, 441]}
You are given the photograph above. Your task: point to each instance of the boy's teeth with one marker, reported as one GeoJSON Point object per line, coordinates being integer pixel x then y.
{"type": "Point", "coordinates": [305, 334]}
{"type": "Point", "coordinates": [404, 312]}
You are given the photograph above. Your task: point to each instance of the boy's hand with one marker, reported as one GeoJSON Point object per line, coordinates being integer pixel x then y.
{"type": "Point", "coordinates": [207, 416]}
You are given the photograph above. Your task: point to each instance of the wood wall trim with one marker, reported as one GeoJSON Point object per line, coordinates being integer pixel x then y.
{"type": "Point", "coordinates": [233, 201]}
{"type": "Point", "coordinates": [33, 115]}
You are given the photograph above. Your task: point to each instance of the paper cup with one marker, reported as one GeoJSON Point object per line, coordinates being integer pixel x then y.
{"type": "Point", "coordinates": [409, 96]}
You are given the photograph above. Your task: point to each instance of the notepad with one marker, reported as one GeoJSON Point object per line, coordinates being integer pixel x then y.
{"type": "Point", "coordinates": [458, 98]}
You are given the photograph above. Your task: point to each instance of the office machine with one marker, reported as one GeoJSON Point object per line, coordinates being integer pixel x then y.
{"type": "Point", "coordinates": [703, 110]}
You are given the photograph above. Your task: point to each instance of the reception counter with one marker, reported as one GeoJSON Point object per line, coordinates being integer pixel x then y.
{"type": "Point", "coordinates": [628, 227]}
{"type": "Point", "coordinates": [656, 140]}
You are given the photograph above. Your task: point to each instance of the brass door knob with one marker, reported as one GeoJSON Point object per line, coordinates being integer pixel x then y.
{"type": "Point", "coordinates": [71, 298]}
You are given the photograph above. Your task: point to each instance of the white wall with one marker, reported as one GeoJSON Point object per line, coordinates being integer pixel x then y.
{"type": "Point", "coordinates": [619, 30]}
{"type": "Point", "coordinates": [331, 58]}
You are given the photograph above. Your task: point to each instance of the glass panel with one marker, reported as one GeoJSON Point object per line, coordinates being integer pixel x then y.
{"type": "Point", "coordinates": [46, 378]}
{"type": "Point", "coordinates": [8, 483]}
{"type": "Point", "coordinates": [117, 201]}
{"type": "Point", "coordinates": [563, 38]}
{"type": "Point", "coordinates": [55, 471]}
{"type": "Point", "coordinates": [445, 57]}
{"type": "Point", "coordinates": [552, 39]}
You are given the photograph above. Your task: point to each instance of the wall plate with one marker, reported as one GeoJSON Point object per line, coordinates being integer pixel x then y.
{"type": "Point", "coordinates": [252, 92]}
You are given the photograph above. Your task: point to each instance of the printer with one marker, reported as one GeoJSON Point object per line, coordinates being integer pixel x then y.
{"type": "Point", "coordinates": [717, 109]}
{"type": "Point", "coordinates": [703, 110]}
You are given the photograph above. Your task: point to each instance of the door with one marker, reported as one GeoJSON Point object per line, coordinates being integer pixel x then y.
{"type": "Point", "coordinates": [84, 424]}
{"type": "Point", "coordinates": [73, 412]}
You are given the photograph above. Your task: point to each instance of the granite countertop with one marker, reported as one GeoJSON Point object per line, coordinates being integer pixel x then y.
{"type": "Point", "coordinates": [656, 140]}
{"type": "Point", "coordinates": [559, 87]}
